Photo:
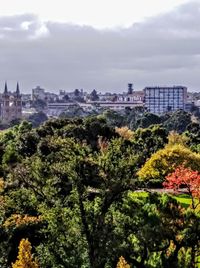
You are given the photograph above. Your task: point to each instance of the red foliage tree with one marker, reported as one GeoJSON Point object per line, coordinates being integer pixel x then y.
{"type": "Point", "coordinates": [186, 178]}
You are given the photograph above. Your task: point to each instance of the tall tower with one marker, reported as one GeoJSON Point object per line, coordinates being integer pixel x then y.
{"type": "Point", "coordinates": [5, 104]}
{"type": "Point", "coordinates": [130, 89]}
{"type": "Point", "coordinates": [17, 89]}
{"type": "Point", "coordinates": [17, 109]}
{"type": "Point", "coordinates": [5, 88]}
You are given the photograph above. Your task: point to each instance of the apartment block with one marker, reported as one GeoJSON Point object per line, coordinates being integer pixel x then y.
{"type": "Point", "coordinates": [160, 100]}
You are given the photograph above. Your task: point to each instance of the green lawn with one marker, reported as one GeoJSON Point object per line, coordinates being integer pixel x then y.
{"type": "Point", "coordinates": [184, 199]}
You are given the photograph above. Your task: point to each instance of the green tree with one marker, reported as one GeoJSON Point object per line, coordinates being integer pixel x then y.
{"type": "Point", "coordinates": [147, 120]}
{"type": "Point", "coordinates": [166, 160]}
{"type": "Point", "coordinates": [94, 96]}
{"type": "Point", "coordinates": [37, 118]}
{"type": "Point", "coordinates": [147, 141]}
{"type": "Point", "coordinates": [193, 134]}
{"type": "Point", "coordinates": [113, 118]}
{"type": "Point", "coordinates": [72, 197]}
{"type": "Point", "coordinates": [177, 121]}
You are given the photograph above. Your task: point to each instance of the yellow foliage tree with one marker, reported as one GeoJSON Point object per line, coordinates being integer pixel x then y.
{"type": "Point", "coordinates": [164, 161]}
{"type": "Point", "coordinates": [25, 258]}
{"type": "Point", "coordinates": [17, 219]}
{"type": "Point", "coordinates": [125, 133]}
{"type": "Point", "coordinates": [122, 263]}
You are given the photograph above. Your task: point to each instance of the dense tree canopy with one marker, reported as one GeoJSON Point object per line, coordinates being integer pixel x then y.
{"type": "Point", "coordinates": [69, 187]}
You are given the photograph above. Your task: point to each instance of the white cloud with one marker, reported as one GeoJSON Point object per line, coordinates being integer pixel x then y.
{"type": "Point", "coordinates": [97, 13]}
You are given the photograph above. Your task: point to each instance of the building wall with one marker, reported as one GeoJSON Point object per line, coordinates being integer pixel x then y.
{"type": "Point", "coordinates": [159, 100]}
{"type": "Point", "coordinates": [11, 107]}
{"type": "Point", "coordinates": [38, 93]}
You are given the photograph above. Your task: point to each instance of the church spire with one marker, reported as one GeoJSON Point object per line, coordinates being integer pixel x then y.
{"type": "Point", "coordinates": [17, 90]}
{"type": "Point", "coordinates": [6, 88]}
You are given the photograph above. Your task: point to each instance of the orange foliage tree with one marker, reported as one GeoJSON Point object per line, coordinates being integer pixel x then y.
{"type": "Point", "coordinates": [186, 178]}
{"type": "Point", "coordinates": [25, 258]}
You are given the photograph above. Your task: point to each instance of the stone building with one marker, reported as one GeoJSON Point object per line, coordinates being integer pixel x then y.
{"type": "Point", "coordinates": [11, 104]}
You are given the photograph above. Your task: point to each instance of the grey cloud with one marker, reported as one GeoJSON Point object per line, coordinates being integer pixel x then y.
{"type": "Point", "coordinates": [19, 27]}
{"type": "Point", "coordinates": [160, 50]}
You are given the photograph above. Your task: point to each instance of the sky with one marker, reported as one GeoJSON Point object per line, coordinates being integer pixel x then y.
{"type": "Point", "coordinates": [101, 44]}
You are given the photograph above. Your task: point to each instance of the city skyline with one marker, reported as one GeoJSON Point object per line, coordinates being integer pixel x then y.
{"type": "Point", "coordinates": [159, 47]}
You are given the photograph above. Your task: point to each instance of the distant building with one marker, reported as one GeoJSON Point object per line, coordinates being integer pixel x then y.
{"type": "Point", "coordinates": [76, 95]}
{"type": "Point", "coordinates": [56, 108]}
{"type": "Point", "coordinates": [11, 104]}
{"type": "Point", "coordinates": [159, 100]}
{"type": "Point", "coordinates": [131, 95]}
{"type": "Point", "coordinates": [51, 97]}
{"type": "Point", "coordinates": [26, 100]}
{"type": "Point", "coordinates": [116, 105]}
{"type": "Point", "coordinates": [26, 97]}
{"type": "Point", "coordinates": [106, 96]}
{"type": "Point", "coordinates": [38, 93]}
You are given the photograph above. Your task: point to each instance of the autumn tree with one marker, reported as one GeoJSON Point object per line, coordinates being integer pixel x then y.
{"type": "Point", "coordinates": [125, 132]}
{"type": "Point", "coordinates": [165, 161]}
{"type": "Point", "coordinates": [122, 263]}
{"type": "Point", "coordinates": [25, 258]}
{"type": "Point", "coordinates": [187, 178]}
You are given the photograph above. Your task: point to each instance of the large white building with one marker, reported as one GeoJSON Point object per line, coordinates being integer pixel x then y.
{"type": "Point", "coordinates": [159, 100]}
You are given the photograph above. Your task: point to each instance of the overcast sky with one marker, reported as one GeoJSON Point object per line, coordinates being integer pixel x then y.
{"type": "Point", "coordinates": [102, 44]}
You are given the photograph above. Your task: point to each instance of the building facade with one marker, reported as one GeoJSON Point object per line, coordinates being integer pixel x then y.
{"type": "Point", "coordinates": [11, 104]}
{"type": "Point", "coordinates": [38, 93]}
{"type": "Point", "coordinates": [159, 100]}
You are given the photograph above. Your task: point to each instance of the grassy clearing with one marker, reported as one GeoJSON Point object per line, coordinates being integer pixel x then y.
{"type": "Point", "coordinates": [183, 199]}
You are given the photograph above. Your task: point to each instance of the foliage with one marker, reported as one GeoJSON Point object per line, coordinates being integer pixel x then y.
{"type": "Point", "coordinates": [68, 185]}
{"type": "Point", "coordinates": [37, 118]}
{"type": "Point", "coordinates": [39, 104]}
{"type": "Point", "coordinates": [122, 263]}
{"type": "Point", "coordinates": [193, 134]}
{"type": "Point", "coordinates": [94, 96]}
{"type": "Point", "coordinates": [147, 120]}
{"type": "Point", "coordinates": [157, 231]}
{"type": "Point", "coordinates": [113, 118]}
{"type": "Point", "coordinates": [165, 161]}
{"type": "Point", "coordinates": [148, 141]}
{"type": "Point", "coordinates": [175, 138]}
{"type": "Point", "coordinates": [185, 177]}
{"type": "Point", "coordinates": [25, 258]}
{"type": "Point", "coordinates": [125, 132]}
{"type": "Point", "coordinates": [177, 121]}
